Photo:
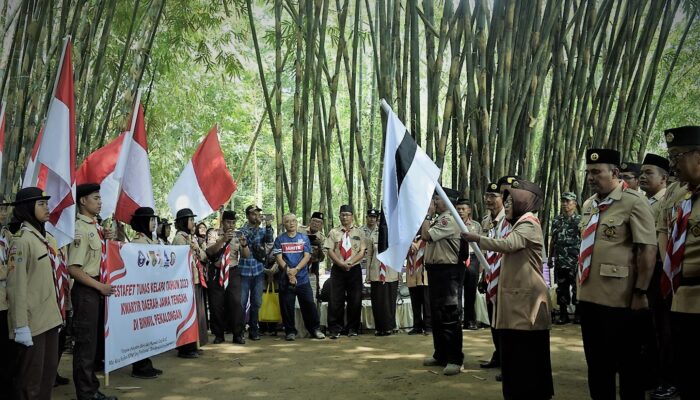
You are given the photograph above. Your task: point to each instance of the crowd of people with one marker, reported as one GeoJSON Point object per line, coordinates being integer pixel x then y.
{"type": "Point", "coordinates": [623, 260]}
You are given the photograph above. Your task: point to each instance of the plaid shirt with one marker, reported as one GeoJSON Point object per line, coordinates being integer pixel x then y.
{"type": "Point", "coordinates": [256, 237]}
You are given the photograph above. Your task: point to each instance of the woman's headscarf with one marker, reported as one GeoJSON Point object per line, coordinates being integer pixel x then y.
{"type": "Point", "coordinates": [526, 196]}
{"type": "Point", "coordinates": [25, 204]}
{"type": "Point", "coordinates": [142, 224]}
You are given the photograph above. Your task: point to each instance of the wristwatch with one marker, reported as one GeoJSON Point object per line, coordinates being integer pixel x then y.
{"type": "Point", "coordinates": [428, 217]}
{"type": "Point", "coordinates": [639, 291]}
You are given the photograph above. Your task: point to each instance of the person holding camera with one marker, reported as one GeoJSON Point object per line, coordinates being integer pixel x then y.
{"type": "Point", "coordinates": [252, 267]}
{"type": "Point", "coordinates": [225, 280]}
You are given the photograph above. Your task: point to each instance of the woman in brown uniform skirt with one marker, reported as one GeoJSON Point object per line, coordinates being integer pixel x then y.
{"type": "Point", "coordinates": [522, 312]}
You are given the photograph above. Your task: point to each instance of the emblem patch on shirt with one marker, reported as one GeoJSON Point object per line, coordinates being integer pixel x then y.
{"type": "Point", "coordinates": [695, 230]}
{"type": "Point", "coordinates": [609, 232]}
{"type": "Point", "coordinates": [443, 222]}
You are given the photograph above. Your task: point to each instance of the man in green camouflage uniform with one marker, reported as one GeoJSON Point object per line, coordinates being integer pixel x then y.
{"type": "Point", "coordinates": [563, 253]}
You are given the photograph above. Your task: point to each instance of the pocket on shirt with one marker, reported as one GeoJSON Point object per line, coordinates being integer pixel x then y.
{"type": "Point", "coordinates": [614, 271]}
{"type": "Point", "coordinates": [612, 229]}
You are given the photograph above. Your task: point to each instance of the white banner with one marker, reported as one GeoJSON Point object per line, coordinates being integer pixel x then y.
{"type": "Point", "coordinates": [153, 308]}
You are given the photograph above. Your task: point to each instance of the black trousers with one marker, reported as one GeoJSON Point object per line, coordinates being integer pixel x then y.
{"type": "Point", "coordinates": [526, 365]}
{"type": "Point", "coordinates": [383, 296]}
{"type": "Point", "coordinates": [225, 305]}
{"type": "Point", "coordinates": [658, 344]}
{"type": "Point", "coordinates": [345, 286]}
{"type": "Point", "coordinates": [288, 296]}
{"type": "Point", "coordinates": [36, 367]}
{"type": "Point", "coordinates": [85, 327]}
{"type": "Point", "coordinates": [471, 278]}
{"type": "Point", "coordinates": [445, 282]}
{"type": "Point", "coordinates": [7, 366]}
{"type": "Point", "coordinates": [496, 356]}
{"type": "Point", "coordinates": [566, 285]}
{"type": "Point", "coordinates": [685, 328]}
{"type": "Point", "coordinates": [420, 305]}
{"type": "Point", "coordinates": [612, 342]}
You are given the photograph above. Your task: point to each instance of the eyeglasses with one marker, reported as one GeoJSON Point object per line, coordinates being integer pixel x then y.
{"type": "Point", "coordinates": [491, 196]}
{"type": "Point", "coordinates": [673, 158]}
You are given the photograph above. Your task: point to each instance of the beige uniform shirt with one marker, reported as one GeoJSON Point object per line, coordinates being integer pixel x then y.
{"type": "Point", "coordinates": [235, 252]}
{"type": "Point", "coordinates": [143, 239]}
{"type": "Point", "coordinates": [674, 193]}
{"type": "Point", "coordinates": [184, 239]}
{"type": "Point", "coordinates": [335, 236]}
{"type": "Point", "coordinates": [86, 251]}
{"type": "Point", "coordinates": [656, 203]}
{"type": "Point", "coordinates": [523, 296]}
{"type": "Point", "coordinates": [443, 246]}
{"type": "Point", "coordinates": [318, 253]}
{"type": "Point", "coordinates": [372, 261]}
{"type": "Point", "coordinates": [31, 292]}
{"type": "Point", "coordinates": [416, 276]}
{"type": "Point", "coordinates": [4, 248]}
{"type": "Point", "coordinates": [613, 272]}
{"type": "Point", "coordinates": [687, 298]}
{"type": "Point", "coordinates": [490, 226]}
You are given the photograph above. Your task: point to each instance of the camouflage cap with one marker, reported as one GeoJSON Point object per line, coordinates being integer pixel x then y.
{"type": "Point", "coordinates": [569, 196]}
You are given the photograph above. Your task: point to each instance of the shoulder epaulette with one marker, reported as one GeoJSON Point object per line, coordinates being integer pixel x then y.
{"type": "Point", "coordinates": [632, 192]}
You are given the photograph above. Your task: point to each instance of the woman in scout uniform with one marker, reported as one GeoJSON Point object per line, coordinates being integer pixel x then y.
{"type": "Point", "coordinates": [35, 294]}
{"type": "Point", "coordinates": [417, 282]}
{"type": "Point", "coordinates": [164, 231]}
{"type": "Point", "coordinates": [522, 314]}
{"type": "Point", "coordinates": [144, 223]}
{"type": "Point", "coordinates": [6, 346]}
{"type": "Point", "coordinates": [680, 280]}
{"type": "Point", "coordinates": [184, 223]}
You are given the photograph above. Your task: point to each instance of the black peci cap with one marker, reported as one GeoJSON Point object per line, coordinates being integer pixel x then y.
{"type": "Point", "coordinates": [228, 215]}
{"type": "Point", "coordinates": [318, 215]}
{"type": "Point", "coordinates": [463, 201]}
{"type": "Point", "coordinates": [657, 160]}
{"type": "Point", "coordinates": [346, 208]}
{"type": "Point", "coordinates": [631, 167]}
{"type": "Point", "coordinates": [492, 188]}
{"type": "Point", "coordinates": [603, 156]}
{"type": "Point", "coordinates": [682, 136]}
{"type": "Point", "coordinates": [85, 189]}
{"type": "Point", "coordinates": [452, 194]}
{"type": "Point", "coordinates": [373, 212]}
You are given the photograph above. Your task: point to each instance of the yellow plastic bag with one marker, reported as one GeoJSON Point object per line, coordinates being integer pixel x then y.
{"type": "Point", "coordinates": [270, 308]}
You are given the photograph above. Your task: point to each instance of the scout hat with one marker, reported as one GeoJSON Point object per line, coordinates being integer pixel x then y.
{"type": "Point", "coordinates": [228, 215]}
{"type": "Point", "coordinates": [452, 194]}
{"type": "Point", "coordinates": [373, 212]}
{"type": "Point", "coordinates": [602, 156]}
{"type": "Point", "coordinates": [506, 180]}
{"type": "Point", "coordinates": [318, 215]}
{"type": "Point", "coordinates": [682, 136]}
{"type": "Point", "coordinates": [85, 189]}
{"type": "Point", "coordinates": [165, 222]}
{"type": "Point", "coordinates": [492, 188]}
{"type": "Point", "coordinates": [144, 212]}
{"type": "Point", "coordinates": [657, 160]}
{"type": "Point", "coordinates": [569, 196]}
{"type": "Point", "coordinates": [521, 184]}
{"type": "Point", "coordinates": [30, 194]}
{"type": "Point", "coordinates": [346, 208]}
{"type": "Point", "coordinates": [631, 167]}
{"type": "Point", "coordinates": [184, 213]}
{"type": "Point", "coordinates": [463, 201]}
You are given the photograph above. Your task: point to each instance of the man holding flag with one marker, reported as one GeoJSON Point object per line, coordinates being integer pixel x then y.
{"type": "Point", "coordinates": [86, 265]}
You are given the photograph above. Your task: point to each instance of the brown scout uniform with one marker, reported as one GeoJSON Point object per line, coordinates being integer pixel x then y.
{"type": "Point", "coordinates": [332, 242]}
{"type": "Point", "coordinates": [523, 295]}
{"type": "Point", "coordinates": [373, 262]}
{"type": "Point", "coordinates": [183, 239]}
{"type": "Point", "coordinates": [86, 253]}
{"type": "Point", "coordinates": [443, 248]}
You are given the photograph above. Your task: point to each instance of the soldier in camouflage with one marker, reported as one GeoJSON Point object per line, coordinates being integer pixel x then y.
{"type": "Point", "coordinates": [563, 253]}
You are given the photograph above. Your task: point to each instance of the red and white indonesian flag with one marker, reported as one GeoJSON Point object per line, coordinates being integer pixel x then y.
{"type": "Point", "coordinates": [101, 167]}
{"type": "Point", "coordinates": [31, 173]}
{"type": "Point", "coordinates": [205, 184]}
{"type": "Point", "coordinates": [57, 153]}
{"type": "Point", "coordinates": [409, 178]}
{"type": "Point", "coordinates": [136, 186]}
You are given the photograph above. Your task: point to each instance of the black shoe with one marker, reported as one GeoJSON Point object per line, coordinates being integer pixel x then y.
{"type": "Point", "coordinates": [381, 333]}
{"type": "Point", "coordinates": [664, 392]}
{"type": "Point", "coordinates": [491, 364]}
{"type": "Point", "coordinates": [60, 381]}
{"type": "Point", "coordinates": [158, 372]}
{"type": "Point", "coordinates": [218, 340]}
{"type": "Point", "coordinates": [335, 335]}
{"type": "Point", "coordinates": [254, 336]}
{"type": "Point", "coordinates": [239, 339]}
{"type": "Point", "coordinates": [472, 326]}
{"type": "Point", "coordinates": [352, 333]}
{"type": "Point", "coordinates": [499, 378]}
{"type": "Point", "coordinates": [189, 354]}
{"type": "Point", "coordinates": [147, 374]}
{"type": "Point", "coordinates": [415, 331]}
{"type": "Point", "coordinates": [101, 396]}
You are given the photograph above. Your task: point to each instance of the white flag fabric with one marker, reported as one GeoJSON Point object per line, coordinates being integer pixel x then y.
{"type": "Point", "coordinates": [409, 178]}
{"type": "Point", "coordinates": [57, 153]}
{"type": "Point", "coordinates": [205, 183]}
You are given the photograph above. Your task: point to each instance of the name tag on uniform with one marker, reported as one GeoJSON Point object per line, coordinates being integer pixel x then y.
{"type": "Point", "coordinates": [44, 256]}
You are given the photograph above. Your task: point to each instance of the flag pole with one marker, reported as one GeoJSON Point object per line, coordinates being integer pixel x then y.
{"type": "Point", "coordinates": [438, 188]}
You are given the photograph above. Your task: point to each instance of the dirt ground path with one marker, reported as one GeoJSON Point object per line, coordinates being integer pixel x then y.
{"type": "Point", "coordinates": [364, 367]}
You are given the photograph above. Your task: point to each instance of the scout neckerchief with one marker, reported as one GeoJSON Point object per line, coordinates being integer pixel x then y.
{"type": "Point", "coordinates": [494, 259]}
{"type": "Point", "coordinates": [345, 244]}
{"type": "Point", "coordinates": [675, 249]}
{"type": "Point", "coordinates": [415, 261]}
{"type": "Point", "coordinates": [225, 261]}
{"type": "Point", "coordinates": [60, 272]}
{"type": "Point", "coordinates": [103, 255]}
{"type": "Point", "coordinates": [195, 263]}
{"type": "Point", "coordinates": [588, 235]}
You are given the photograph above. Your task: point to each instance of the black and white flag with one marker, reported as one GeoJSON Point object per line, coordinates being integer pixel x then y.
{"type": "Point", "coordinates": [409, 178]}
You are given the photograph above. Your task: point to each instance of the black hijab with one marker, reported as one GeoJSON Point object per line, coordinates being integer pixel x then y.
{"type": "Point", "coordinates": [142, 225]}
{"type": "Point", "coordinates": [24, 212]}
{"type": "Point", "coordinates": [526, 197]}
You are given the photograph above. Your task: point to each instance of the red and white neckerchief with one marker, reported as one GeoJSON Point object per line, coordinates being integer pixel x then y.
{"type": "Point", "coordinates": [103, 255]}
{"type": "Point", "coordinates": [345, 245]}
{"type": "Point", "coordinates": [225, 261]}
{"type": "Point", "coordinates": [675, 249]}
{"type": "Point", "coordinates": [588, 239]}
{"type": "Point", "coordinates": [415, 260]}
{"type": "Point", "coordinates": [195, 263]}
{"type": "Point", "coordinates": [468, 261]}
{"type": "Point", "coordinates": [59, 270]}
{"type": "Point", "coordinates": [494, 260]}
{"type": "Point", "coordinates": [4, 248]}
{"type": "Point", "coordinates": [382, 272]}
